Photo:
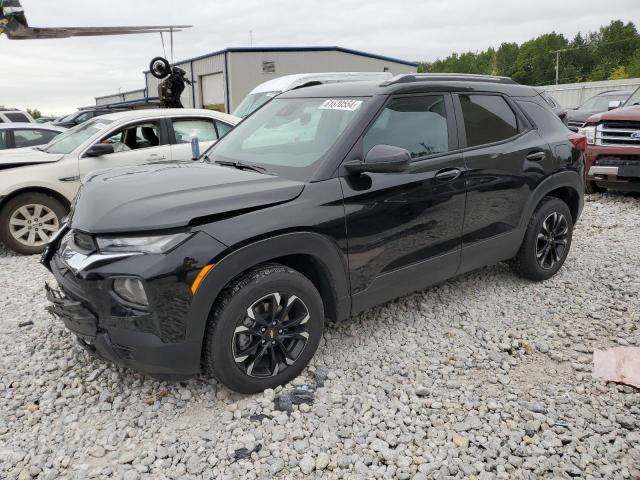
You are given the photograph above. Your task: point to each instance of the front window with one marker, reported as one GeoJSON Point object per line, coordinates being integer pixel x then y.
{"type": "Point", "coordinates": [289, 135]}
{"type": "Point", "coordinates": [253, 102]}
{"type": "Point", "coordinates": [634, 99]}
{"type": "Point", "coordinates": [600, 103]}
{"type": "Point", "coordinates": [68, 141]}
{"type": "Point", "coordinates": [417, 124]}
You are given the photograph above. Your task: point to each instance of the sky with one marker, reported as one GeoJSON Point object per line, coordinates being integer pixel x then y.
{"type": "Point", "coordinates": [56, 76]}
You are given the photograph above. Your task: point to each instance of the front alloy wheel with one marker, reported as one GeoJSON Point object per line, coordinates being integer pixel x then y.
{"type": "Point", "coordinates": [272, 335]}
{"type": "Point", "coordinates": [264, 328]}
{"type": "Point", "coordinates": [33, 225]}
{"type": "Point", "coordinates": [29, 220]}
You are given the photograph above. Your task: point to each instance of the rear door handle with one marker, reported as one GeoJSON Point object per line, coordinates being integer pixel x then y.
{"type": "Point", "coordinates": [536, 156]}
{"type": "Point", "coordinates": [448, 174]}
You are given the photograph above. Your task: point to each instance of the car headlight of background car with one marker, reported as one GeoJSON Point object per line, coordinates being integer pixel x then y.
{"type": "Point", "coordinates": [590, 133]}
{"type": "Point", "coordinates": [142, 244]}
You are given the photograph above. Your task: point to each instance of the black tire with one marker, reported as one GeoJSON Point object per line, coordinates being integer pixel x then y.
{"type": "Point", "coordinates": [527, 263]}
{"type": "Point", "coordinates": [160, 67]}
{"type": "Point", "coordinates": [592, 187]}
{"type": "Point", "coordinates": [231, 314]}
{"type": "Point", "coordinates": [14, 205]}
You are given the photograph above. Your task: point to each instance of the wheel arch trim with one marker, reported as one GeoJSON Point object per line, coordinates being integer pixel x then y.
{"type": "Point", "coordinates": [323, 250]}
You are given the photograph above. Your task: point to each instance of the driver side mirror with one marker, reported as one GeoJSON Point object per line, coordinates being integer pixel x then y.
{"type": "Point", "coordinates": [381, 159]}
{"type": "Point", "coordinates": [614, 104]}
{"type": "Point", "coordinates": [99, 149]}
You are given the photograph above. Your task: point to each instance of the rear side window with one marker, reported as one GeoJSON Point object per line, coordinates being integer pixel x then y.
{"type": "Point", "coordinates": [487, 119]}
{"type": "Point", "coordinates": [202, 128]}
{"type": "Point", "coordinates": [417, 124]}
{"type": "Point", "coordinates": [18, 117]}
{"type": "Point", "coordinates": [3, 139]}
{"type": "Point", "coordinates": [31, 138]}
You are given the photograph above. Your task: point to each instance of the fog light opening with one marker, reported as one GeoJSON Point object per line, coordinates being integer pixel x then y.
{"type": "Point", "coordinates": [131, 290]}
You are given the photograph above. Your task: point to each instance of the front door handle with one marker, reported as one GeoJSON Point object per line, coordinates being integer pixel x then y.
{"type": "Point", "coordinates": [448, 174]}
{"type": "Point", "coordinates": [154, 157]}
{"type": "Point", "coordinates": [536, 156]}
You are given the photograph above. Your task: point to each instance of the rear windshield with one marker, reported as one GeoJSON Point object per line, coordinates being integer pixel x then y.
{"type": "Point", "coordinates": [252, 102]}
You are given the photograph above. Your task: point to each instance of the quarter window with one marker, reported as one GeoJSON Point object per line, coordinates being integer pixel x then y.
{"type": "Point", "coordinates": [31, 138]}
{"type": "Point", "coordinates": [203, 128]}
{"type": "Point", "coordinates": [3, 139]}
{"type": "Point", "coordinates": [487, 119]}
{"type": "Point", "coordinates": [223, 128]}
{"type": "Point", "coordinates": [417, 124]}
{"type": "Point", "coordinates": [135, 137]}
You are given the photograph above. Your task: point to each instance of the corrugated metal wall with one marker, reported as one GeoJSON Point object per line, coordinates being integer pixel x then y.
{"type": "Point", "coordinates": [122, 97]}
{"type": "Point", "coordinates": [245, 68]}
{"type": "Point", "coordinates": [571, 95]}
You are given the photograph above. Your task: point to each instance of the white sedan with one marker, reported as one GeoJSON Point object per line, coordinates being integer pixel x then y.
{"type": "Point", "coordinates": [37, 185]}
{"type": "Point", "coordinates": [21, 135]}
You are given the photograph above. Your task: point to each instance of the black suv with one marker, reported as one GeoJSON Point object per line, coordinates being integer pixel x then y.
{"type": "Point", "coordinates": [325, 202]}
{"type": "Point", "coordinates": [86, 114]}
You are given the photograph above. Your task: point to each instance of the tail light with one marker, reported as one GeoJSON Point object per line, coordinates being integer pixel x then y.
{"type": "Point", "coordinates": [579, 141]}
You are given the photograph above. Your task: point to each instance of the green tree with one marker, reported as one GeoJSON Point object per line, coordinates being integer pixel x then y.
{"type": "Point", "coordinates": [506, 57]}
{"type": "Point", "coordinates": [35, 113]}
{"type": "Point", "coordinates": [633, 68]}
{"type": "Point", "coordinates": [619, 73]}
{"type": "Point", "coordinates": [536, 65]}
{"type": "Point", "coordinates": [615, 44]}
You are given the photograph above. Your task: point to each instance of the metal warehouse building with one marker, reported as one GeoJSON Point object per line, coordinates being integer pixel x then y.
{"type": "Point", "coordinates": [222, 79]}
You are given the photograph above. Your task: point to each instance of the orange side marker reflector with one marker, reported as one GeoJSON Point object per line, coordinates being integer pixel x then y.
{"type": "Point", "coordinates": [203, 273]}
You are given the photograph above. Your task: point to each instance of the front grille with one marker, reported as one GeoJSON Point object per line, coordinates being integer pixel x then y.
{"type": "Point", "coordinates": [618, 133]}
{"type": "Point", "coordinates": [617, 161]}
{"type": "Point", "coordinates": [575, 126]}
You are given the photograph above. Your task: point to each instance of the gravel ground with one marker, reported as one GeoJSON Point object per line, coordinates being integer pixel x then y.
{"type": "Point", "coordinates": [484, 376]}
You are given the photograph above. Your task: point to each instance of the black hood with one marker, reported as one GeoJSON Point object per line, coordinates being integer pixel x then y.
{"type": "Point", "coordinates": [172, 195]}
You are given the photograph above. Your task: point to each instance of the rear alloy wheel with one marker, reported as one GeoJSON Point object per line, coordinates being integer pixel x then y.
{"type": "Point", "coordinates": [28, 222]}
{"type": "Point", "coordinates": [264, 329]}
{"type": "Point", "coordinates": [552, 240]}
{"type": "Point", "coordinates": [546, 242]}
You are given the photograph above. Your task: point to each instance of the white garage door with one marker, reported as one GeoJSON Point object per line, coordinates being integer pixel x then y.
{"type": "Point", "coordinates": [213, 91]}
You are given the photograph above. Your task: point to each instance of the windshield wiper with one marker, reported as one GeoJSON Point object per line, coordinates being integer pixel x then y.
{"type": "Point", "coordinates": [242, 166]}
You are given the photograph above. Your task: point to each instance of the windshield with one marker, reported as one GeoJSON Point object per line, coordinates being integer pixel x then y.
{"type": "Point", "coordinates": [288, 136]}
{"type": "Point", "coordinates": [252, 102]}
{"type": "Point", "coordinates": [68, 141]}
{"type": "Point", "coordinates": [600, 103]}
{"type": "Point", "coordinates": [634, 99]}
{"type": "Point", "coordinates": [69, 117]}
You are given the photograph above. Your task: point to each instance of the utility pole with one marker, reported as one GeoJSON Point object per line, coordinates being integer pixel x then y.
{"type": "Point", "coordinates": [251, 37]}
{"type": "Point", "coordinates": [557, 66]}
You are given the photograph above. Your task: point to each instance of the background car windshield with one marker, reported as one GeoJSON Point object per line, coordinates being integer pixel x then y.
{"type": "Point", "coordinates": [253, 102]}
{"type": "Point", "coordinates": [634, 99]}
{"type": "Point", "coordinates": [68, 141]}
{"type": "Point", "coordinates": [601, 103]}
{"type": "Point", "coordinates": [292, 133]}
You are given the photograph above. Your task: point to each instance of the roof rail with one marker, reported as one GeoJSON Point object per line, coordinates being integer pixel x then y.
{"type": "Point", "coordinates": [447, 77]}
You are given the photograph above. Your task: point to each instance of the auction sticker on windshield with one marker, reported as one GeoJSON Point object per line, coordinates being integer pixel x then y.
{"type": "Point", "coordinates": [349, 105]}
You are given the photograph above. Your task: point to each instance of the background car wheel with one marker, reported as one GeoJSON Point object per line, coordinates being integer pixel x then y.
{"type": "Point", "coordinates": [546, 242]}
{"type": "Point", "coordinates": [28, 221]}
{"type": "Point", "coordinates": [592, 187]}
{"type": "Point", "coordinates": [264, 329]}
